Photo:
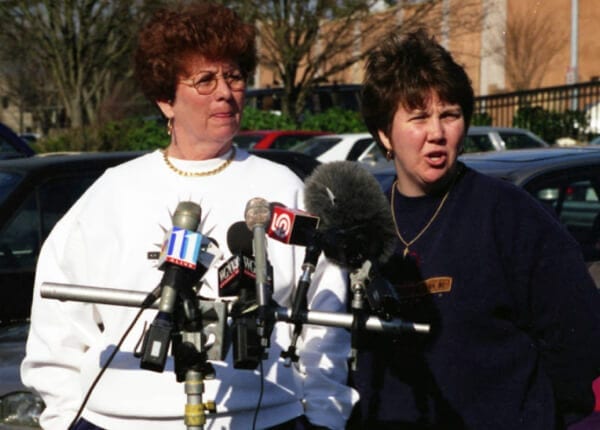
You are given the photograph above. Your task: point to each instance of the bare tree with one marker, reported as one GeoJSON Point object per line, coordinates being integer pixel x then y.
{"type": "Point", "coordinates": [307, 42]}
{"type": "Point", "coordinates": [77, 51]}
{"type": "Point", "coordinates": [530, 43]}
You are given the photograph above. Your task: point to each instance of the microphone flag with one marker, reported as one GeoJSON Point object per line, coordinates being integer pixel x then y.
{"type": "Point", "coordinates": [292, 226]}
{"type": "Point", "coordinates": [181, 247]}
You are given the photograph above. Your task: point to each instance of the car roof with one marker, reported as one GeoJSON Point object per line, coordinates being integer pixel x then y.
{"type": "Point", "coordinates": [279, 132]}
{"type": "Point", "coordinates": [345, 135]}
{"type": "Point", "coordinates": [488, 128]}
{"type": "Point", "coordinates": [68, 160]}
{"type": "Point", "coordinates": [519, 165]}
{"type": "Point", "coordinates": [301, 164]}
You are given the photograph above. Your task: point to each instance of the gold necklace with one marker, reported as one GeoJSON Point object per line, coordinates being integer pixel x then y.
{"type": "Point", "coordinates": [214, 171]}
{"type": "Point", "coordinates": [424, 229]}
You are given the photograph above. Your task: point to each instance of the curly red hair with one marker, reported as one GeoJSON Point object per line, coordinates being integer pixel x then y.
{"type": "Point", "coordinates": [172, 38]}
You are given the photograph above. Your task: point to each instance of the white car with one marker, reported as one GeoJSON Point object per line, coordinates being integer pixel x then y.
{"type": "Point", "coordinates": [338, 147]}
{"type": "Point", "coordinates": [362, 147]}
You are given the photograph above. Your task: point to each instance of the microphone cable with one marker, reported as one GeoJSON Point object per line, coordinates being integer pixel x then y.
{"type": "Point", "coordinates": [148, 301]}
{"type": "Point", "coordinates": [260, 394]}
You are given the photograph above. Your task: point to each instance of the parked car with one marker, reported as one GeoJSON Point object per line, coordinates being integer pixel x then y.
{"type": "Point", "coordinates": [11, 145]}
{"type": "Point", "coordinates": [34, 193]}
{"type": "Point", "coordinates": [363, 148]}
{"type": "Point", "coordinates": [30, 138]}
{"type": "Point", "coordinates": [566, 180]}
{"type": "Point", "coordinates": [19, 408]}
{"type": "Point", "coordinates": [595, 141]}
{"type": "Point", "coordinates": [272, 139]}
{"type": "Point", "coordinates": [359, 147]}
{"type": "Point", "coordinates": [484, 138]}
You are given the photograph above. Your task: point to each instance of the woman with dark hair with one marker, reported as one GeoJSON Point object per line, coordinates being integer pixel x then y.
{"type": "Point", "coordinates": [515, 326]}
{"type": "Point", "coordinates": [193, 62]}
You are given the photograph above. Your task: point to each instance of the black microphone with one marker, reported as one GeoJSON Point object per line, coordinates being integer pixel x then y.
{"type": "Point", "coordinates": [238, 274]}
{"type": "Point", "coordinates": [297, 227]}
{"type": "Point", "coordinates": [237, 277]}
{"type": "Point", "coordinates": [355, 219]}
{"type": "Point", "coordinates": [179, 261]}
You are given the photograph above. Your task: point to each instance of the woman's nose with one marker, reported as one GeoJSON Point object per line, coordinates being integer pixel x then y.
{"type": "Point", "coordinates": [435, 130]}
{"type": "Point", "coordinates": [222, 89]}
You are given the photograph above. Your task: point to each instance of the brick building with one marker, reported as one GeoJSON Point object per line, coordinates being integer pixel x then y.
{"type": "Point", "coordinates": [509, 35]}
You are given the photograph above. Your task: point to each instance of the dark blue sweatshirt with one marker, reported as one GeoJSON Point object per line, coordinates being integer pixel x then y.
{"type": "Point", "coordinates": [515, 318]}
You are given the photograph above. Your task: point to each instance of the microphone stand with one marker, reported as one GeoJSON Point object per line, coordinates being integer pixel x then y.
{"type": "Point", "coordinates": [299, 305]}
{"type": "Point", "coordinates": [184, 331]}
{"type": "Point", "coordinates": [190, 353]}
{"type": "Point", "coordinates": [358, 283]}
{"type": "Point", "coordinates": [191, 365]}
{"type": "Point", "coordinates": [110, 296]}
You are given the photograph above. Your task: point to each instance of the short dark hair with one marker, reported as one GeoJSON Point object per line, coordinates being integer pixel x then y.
{"type": "Point", "coordinates": [173, 36]}
{"type": "Point", "coordinates": [403, 70]}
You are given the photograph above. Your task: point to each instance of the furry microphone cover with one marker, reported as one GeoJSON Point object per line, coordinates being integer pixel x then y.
{"type": "Point", "coordinates": [355, 217]}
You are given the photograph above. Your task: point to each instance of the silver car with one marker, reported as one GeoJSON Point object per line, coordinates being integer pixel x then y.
{"type": "Point", "coordinates": [485, 138]}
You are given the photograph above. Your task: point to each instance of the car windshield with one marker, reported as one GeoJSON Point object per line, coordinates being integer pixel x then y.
{"type": "Point", "coordinates": [316, 146]}
{"type": "Point", "coordinates": [247, 140]}
{"type": "Point", "coordinates": [477, 143]}
{"type": "Point", "coordinates": [519, 141]}
{"type": "Point", "coordinates": [8, 182]}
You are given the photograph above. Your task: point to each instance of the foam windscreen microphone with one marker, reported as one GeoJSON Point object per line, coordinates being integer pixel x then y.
{"type": "Point", "coordinates": [355, 218]}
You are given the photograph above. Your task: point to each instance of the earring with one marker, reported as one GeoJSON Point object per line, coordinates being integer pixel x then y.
{"type": "Point", "coordinates": [170, 126]}
{"type": "Point", "coordinates": [389, 155]}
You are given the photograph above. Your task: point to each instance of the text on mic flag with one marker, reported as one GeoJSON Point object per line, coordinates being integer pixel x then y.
{"type": "Point", "coordinates": [181, 247]}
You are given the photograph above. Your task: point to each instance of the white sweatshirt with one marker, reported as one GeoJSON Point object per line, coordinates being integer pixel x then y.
{"type": "Point", "coordinates": [104, 241]}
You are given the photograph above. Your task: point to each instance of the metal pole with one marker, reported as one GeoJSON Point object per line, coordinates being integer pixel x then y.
{"type": "Point", "coordinates": [574, 50]}
{"type": "Point", "coordinates": [109, 296]}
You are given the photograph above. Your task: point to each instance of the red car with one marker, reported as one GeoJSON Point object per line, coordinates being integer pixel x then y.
{"type": "Point", "coordinates": [272, 139]}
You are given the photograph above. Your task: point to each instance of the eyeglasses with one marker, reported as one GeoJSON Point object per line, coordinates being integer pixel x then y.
{"type": "Point", "coordinates": [206, 82]}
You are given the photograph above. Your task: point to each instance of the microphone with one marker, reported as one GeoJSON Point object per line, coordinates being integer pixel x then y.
{"type": "Point", "coordinates": [257, 214]}
{"type": "Point", "coordinates": [238, 274]}
{"type": "Point", "coordinates": [237, 277]}
{"type": "Point", "coordinates": [297, 227]}
{"type": "Point", "coordinates": [357, 228]}
{"type": "Point", "coordinates": [178, 260]}
{"type": "Point", "coordinates": [355, 219]}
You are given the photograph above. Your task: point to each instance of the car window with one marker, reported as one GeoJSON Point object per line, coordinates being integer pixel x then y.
{"type": "Point", "coordinates": [358, 148]}
{"type": "Point", "coordinates": [8, 182]}
{"type": "Point", "coordinates": [575, 201]}
{"type": "Point", "coordinates": [477, 143]}
{"type": "Point", "coordinates": [315, 147]}
{"type": "Point", "coordinates": [288, 141]}
{"type": "Point", "coordinates": [373, 155]}
{"type": "Point", "coordinates": [518, 141]}
{"type": "Point", "coordinates": [22, 236]}
{"type": "Point", "coordinates": [247, 140]}
{"type": "Point", "coordinates": [7, 150]}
